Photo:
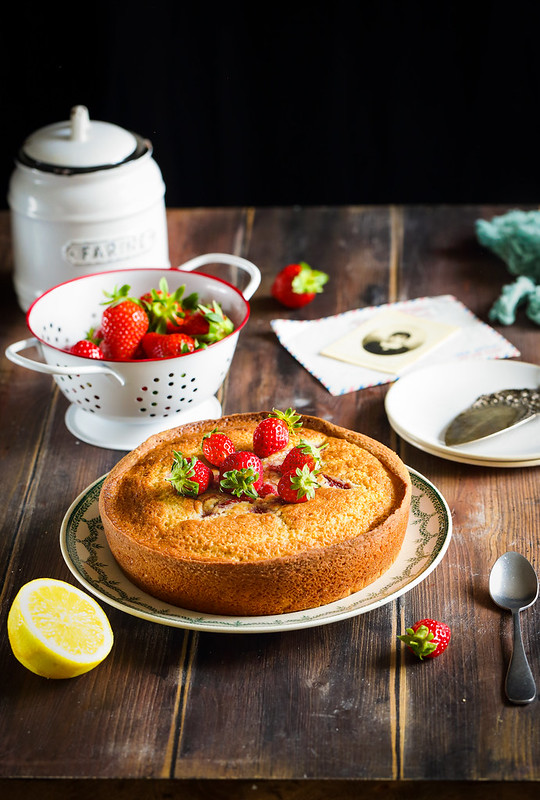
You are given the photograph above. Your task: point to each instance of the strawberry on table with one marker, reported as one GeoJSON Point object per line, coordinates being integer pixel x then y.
{"type": "Point", "coordinates": [303, 453]}
{"type": "Point", "coordinates": [123, 324]}
{"type": "Point", "coordinates": [241, 474]}
{"type": "Point", "coordinates": [189, 476]}
{"type": "Point", "coordinates": [298, 486]}
{"type": "Point", "coordinates": [216, 446]}
{"type": "Point", "coordinates": [272, 434]}
{"type": "Point", "coordinates": [297, 284]}
{"type": "Point", "coordinates": [167, 345]}
{"type": "Point", "coordinates": [427, 638]}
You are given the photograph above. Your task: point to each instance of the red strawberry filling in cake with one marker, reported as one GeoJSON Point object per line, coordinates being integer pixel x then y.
{"type": "Point", "coordinates": [320, 515]}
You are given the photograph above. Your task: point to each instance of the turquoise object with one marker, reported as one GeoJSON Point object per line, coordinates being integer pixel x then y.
{"type": "Point", "coordinates": [533, 308]}
{"type": "Point", "coordinates": [513, 294]}
{"type": "Point", "coordinates": [515, 238]}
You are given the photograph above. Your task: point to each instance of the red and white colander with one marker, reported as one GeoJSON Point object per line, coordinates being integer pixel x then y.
{"type": "Point", "coordinates": [118, 404]}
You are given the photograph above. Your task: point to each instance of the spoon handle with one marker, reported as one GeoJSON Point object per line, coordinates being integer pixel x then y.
{"type": "Point", "coordinates": [520, 686]}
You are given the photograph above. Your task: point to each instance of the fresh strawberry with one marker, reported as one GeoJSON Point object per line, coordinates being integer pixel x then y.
{"type": "Point", "coordinates": [267, 489]}
{"type": "Point", "coordinates": [216, 447]}
{"type": "Point", "coordinates": [272, 434]}
{"type": "Point", "coordinates": [241, 474]}
{"type": "Point", "coordinates": [189, 476]}
{"type": "Point", "coordinates": [297, 284]}
{"type": "Point", "coordinates": [166, 310]}
{"type": "Point", "coordinates": [298, 486]}
{"type": "Point", "coordinates": [167, 345]}
{"type": "Point", "coordinates": [303, 453]}
{"type": "Point", "coordinates": [427, 638]}
{"type": "Point", "coordinates": [123, 324]}
{"type": "Point", "coordinates": [86, 349]}
{"type": "Point", "coordinates": [193, 323]}
{"type": "Point", "coordinates": [209, 324]}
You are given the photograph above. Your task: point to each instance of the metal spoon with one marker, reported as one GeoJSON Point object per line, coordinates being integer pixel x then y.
{"type": "Point", "coordinates": [513, 585]}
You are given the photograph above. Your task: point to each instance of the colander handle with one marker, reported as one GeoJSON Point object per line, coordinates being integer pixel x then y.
{"type": "Point", "coordinates": [226, 258]}
{"type": "Point", "coordinates": [12, 352]}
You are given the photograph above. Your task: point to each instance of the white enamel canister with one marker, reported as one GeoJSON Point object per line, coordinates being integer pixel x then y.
{"type": "Point", "coordinates": [85, 196]}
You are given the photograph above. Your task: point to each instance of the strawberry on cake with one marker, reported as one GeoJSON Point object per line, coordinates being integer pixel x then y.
{"type": "Point", "coordinates": [256, 514]}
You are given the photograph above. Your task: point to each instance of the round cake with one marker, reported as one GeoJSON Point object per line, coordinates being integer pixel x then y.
{"type": "Point", "coordinates": [221, 553]}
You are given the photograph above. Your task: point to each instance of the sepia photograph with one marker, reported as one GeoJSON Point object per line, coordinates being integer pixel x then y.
{"type": "Point", "coordinates": [390, 341]}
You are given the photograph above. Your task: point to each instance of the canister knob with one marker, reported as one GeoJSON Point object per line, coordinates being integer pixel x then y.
{"type": "Point", "coordinates": [80, 123]}
{"type": "Point", "coordinates": [81, 144]}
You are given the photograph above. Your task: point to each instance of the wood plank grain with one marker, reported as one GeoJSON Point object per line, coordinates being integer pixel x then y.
{"type": "Point", "coordinates": [491, 509]}
{"type": "Point", "coordinates": [71, 726]}
{"type": "Point", "coordinates": [201, 789]}
{"type": "Point", "coordinates": [193, 232]}
{"type": "Point", "coordinates": [353, 246]}
{"type": "Point", "coordinates": [323, 708]}
{"type": "Point", "coordinates": [298, 704]}
{"type": "Point", "coordinates": [341, 710]}
{"type": "Point", "coordinates": [25, 399]}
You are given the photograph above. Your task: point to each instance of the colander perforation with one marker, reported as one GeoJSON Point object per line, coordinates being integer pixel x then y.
{"type": "Point", "coordinates": [158, 404]}
{"type": "Point", "coordinates": [53, 335]}
{"type": "Point", "coordinates": [124, 392]}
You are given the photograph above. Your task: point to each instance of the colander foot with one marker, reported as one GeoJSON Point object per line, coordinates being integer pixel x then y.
{"type": "Point", "coordinates": [113, 435]}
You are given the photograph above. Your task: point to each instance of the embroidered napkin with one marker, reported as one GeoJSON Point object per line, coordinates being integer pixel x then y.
{"type": "Point", "coordinates": [305, 339]}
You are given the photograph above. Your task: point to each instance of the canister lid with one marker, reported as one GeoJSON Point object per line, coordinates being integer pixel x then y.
{"type": "Point", "coordinates": [81, 145]}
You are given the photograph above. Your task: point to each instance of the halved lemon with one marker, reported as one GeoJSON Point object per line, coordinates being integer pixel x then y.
{"type": "Point", "coordinates": [57, 630]}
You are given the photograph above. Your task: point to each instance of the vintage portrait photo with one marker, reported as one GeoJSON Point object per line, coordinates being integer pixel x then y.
{"type": "Point", "coordinates": [389, 341]}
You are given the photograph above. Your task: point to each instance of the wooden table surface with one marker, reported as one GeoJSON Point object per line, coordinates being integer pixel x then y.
{"type": "Point", "coordinates": [341, 710]}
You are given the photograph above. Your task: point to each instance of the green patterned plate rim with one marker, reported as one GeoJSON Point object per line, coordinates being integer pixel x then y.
{"type": "Point", "coordinates": [88, 557]}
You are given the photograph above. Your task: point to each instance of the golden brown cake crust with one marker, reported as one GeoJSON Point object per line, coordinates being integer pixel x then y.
{"type": "Point", "coordinates": [259, 557]}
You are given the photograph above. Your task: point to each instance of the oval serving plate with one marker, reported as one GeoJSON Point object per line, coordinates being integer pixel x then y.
{"type": "Point", "coordinates": [86, 552]}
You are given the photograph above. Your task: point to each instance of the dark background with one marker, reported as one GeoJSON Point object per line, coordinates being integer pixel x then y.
{"type": "Point", "coordinates": [293, 103]}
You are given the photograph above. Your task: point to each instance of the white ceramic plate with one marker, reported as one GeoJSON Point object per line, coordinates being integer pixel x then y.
{"type": "Point", "coordinates": [421, 405]}
{"type": "Point", "coordinates": [87, 554]}
{"type": "Point", "coordinates": [477, 462]}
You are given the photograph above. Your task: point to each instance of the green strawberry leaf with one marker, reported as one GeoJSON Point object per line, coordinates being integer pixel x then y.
{"type": "Point", "coordinates": [304, 482]}
{"type": "Point", "coordinates": [165, 307]}
{"type": "Point", "coordinates": [181, 474]}
{"type": "Point", "coordinates": [313, 451]}
{"type": "Point", "coordinates": [191, 302]}
{"type": "Point", "coordinates": [219, 325]}
{"type": "Point", "coordinates": [420, 642]}
{"type": "Point", "coordinates": [290, 417]}
{"type": "Point", "coordinates": [308, 280]}
{"type": "Point", "coordinates": [240, 482]}
{"type": "Point", "coordinates": [118, 295]}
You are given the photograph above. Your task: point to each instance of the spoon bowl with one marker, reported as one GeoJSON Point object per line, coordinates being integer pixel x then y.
{"type": "Point", "coordinates": [513, 585]}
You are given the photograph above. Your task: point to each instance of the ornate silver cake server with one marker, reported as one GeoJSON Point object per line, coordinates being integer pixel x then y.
{"type": "Point", "coordinates": [491, 414]}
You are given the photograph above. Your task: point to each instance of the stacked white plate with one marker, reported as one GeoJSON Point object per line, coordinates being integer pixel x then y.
{"type": "Point", "coordinates": [421, 405]}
